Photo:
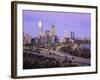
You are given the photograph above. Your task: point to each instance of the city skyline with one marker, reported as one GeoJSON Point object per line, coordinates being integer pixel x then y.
{"type": "Point", "coordinates": [79, 23]}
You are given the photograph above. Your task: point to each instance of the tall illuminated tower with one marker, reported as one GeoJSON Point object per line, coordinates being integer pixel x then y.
{"type": "Point", "coordinates": [40, 27]}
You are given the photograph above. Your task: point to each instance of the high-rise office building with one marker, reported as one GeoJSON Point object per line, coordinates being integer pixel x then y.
{"type": "Point", "coordinates": [47, 36]}
{"type": "Point", "coordinates": [53, 30]}
{"type": "Point", "coordinates": [65, 34]}
{"type": "Point", "coordinates": [40, 28]}
{"type": "Point", "coordinates": [26, 39]}
{"type": "Point", "coordinates": [47, 33]}
{"type": "Point", "coordinates": [72, 35]}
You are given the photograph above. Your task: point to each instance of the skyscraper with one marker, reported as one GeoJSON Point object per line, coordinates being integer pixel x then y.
{"type": "Point", "coordinates": [65, 34]}
{"type": "Point", "coordinates": [47, 36]}
{"type": "Point", "coordinates": [53, 30]}
{"type": "Point", "coordinates": [27, 39]}
{"type": "Point", "coordinates": [40, 27]}
{"type": "Point", "coordinates": [72, 35]}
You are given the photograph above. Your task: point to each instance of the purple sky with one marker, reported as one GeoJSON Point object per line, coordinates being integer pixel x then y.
{"type": "Point", "coordinates": [79, 23]}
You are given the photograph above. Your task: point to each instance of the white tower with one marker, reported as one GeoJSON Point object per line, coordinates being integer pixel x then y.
{"type": "Point", "coordinates": [40, 27]}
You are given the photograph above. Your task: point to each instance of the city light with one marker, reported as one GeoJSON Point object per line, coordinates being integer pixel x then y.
{"type": "Point", "coordinates": [56, 43]}
{"type": "Point", "coordinates": [40, 24]}
{"type": "Point", "coordinates": [40, 27]}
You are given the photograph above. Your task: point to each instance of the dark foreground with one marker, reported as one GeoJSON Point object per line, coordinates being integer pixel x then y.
{"type": "Point", "coordinates": [33, 61]}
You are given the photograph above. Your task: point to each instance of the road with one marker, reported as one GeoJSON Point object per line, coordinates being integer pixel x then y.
{"type": "Point", "coordinates": [61, 56]}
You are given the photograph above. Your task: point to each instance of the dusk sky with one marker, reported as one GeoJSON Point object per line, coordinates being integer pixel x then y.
{"type": "Point", "coordinates": [79, 23]}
